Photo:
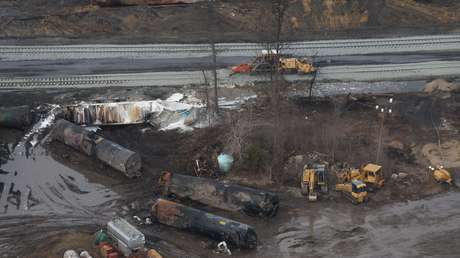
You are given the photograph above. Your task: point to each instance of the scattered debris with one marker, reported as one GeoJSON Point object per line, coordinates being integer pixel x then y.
{"type": "Point", "coordinates": [223, 248]}
{"type": "Point", "coordinates": [71, 254]}
{"type": "Point", "coordinates": [220, 229]}
{"type": "Point", "coordinates": [93, 145]}
{"type": "Point", "coordinates": [94, 129]}
{"type": "Point", "coordinates": [128, 238]}
{"type": "Point", "coordinates": [175, 97]}
{"type": "Point", "coordinates": [152, 253]}
{"type": "Point", "coordinates": [221, 195]}
{"type": "Point", "coordinates": [397, 176]}
{"type": "Point", "coordinates": [15, 117]}
{"type": "Point", "coordinates": [137, 218]}
{"type": "Point", "coordinates": [85, 254]}
{"type": "Point", "coordinates": [225, 162]}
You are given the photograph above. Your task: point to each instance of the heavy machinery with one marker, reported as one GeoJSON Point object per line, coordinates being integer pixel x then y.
{"type": "Point", "coordinates": [313, 178]}
{"type": "Point", "coordinates": [441, 175]}
{"type": "Point", "coordinates": [355, 191]}
{"type": "Point", "coordinates": [370, 174]}
{"type": "Point", "coordinates": [270, 61]}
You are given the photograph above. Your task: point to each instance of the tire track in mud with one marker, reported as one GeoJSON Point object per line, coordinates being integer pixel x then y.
{"type": "Point", "coordinates": [410, 229]}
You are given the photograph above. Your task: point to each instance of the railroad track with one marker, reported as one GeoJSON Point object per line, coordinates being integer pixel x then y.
{"type": "Point", "coordinates": [308, 48]}
{"type": "Point", "coordinates": [410, 71]}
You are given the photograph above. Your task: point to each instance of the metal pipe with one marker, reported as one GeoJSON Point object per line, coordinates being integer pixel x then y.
{"type": "Point", "coordinates": [221, 195]}
{"type": "Point", "coordinates": [220, 229]}
{"type": "Point", "coordinates": [15, 117]}
{"type": "Point", "coordinates": [93, 145]}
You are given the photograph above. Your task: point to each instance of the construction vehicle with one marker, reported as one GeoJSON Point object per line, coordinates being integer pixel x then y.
{"type": "Point", "coordinates": [370, 174]}
{"type": "Point", "coordinates": [271, 61]}
{"type": "Point", "coordinates": [314, 178]}
{"type": "Point", "coordinates": [441, 175]}
{"type": "Point", "coordinates": [355, 191]}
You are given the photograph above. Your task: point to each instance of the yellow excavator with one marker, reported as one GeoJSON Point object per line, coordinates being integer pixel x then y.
{"type": "Point", "coordinates": [441, 175]}
{"type": "Point", "coordinates": [355, 191]}
{"type": "Point", "coordinates": [370, 174]}
{"type": "Point", "coordinates": [313, 178]}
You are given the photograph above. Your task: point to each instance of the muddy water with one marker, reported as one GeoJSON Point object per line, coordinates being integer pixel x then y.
{"type": "Point", "coordinates": [40, 196]}
{"type": "Point", "coordinates": [413, 229]}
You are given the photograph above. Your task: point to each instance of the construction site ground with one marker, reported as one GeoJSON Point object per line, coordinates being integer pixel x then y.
{"type": "Point", "coordinates": [78, 195]}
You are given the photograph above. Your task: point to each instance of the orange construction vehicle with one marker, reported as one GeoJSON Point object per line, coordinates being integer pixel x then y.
{"type": "Point", "coordinates": [270, 61]}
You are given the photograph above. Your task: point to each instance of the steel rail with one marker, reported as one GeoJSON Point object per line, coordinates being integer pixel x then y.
{"type": "Point", "coordinates": [320, 48]}
{"type": "Point", "coordinates": [409, 71]}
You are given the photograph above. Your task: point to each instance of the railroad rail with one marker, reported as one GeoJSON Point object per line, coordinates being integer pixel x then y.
{"type": "Point", "coordinates": [307, 48]}
{"type": "Point", "coordinates": [409, 71]}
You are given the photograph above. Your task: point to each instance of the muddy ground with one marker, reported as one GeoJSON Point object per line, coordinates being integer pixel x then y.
{"type": "Point", "coordinates": [64, 196]}
{"type": "Point", "coordinates": [78, 21]}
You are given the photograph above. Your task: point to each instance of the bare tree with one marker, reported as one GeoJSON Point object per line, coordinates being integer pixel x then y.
{"type": "Point", "coordinates": [212, 31]}
{"type": "Point", "coordinates": [272, 38]}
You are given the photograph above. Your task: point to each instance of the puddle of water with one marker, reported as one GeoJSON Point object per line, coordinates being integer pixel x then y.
{"type": "Point", "coordinates": [33, 183]}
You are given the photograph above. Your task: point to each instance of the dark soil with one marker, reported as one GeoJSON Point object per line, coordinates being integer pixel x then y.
{"type": "Point", "coordinates": [237, 20]}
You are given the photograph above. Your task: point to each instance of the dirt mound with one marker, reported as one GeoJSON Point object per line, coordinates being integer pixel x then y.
{"type": "Point", "coordinates": [448, 155]}
{"type": "Point", "coordinates": [441, 85]}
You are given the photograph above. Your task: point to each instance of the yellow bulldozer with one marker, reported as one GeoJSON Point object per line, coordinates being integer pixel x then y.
{"type": "Point", "coordinates": [314, 177]}
{"type": "Point", "coordinates": [370, 174]}
{"type": "Point", "coordinates": [441, 175]}
{"type": "Point", "coordinates": [270, 61]}
{"type": "Point", "coordinates": [355, 191]}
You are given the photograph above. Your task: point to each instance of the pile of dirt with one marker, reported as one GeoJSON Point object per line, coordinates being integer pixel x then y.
{"type": "Point", "coordinates": [441, 85]}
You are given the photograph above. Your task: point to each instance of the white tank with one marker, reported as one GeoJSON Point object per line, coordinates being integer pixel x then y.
{"type": "Point", "coordinates": [122, 231]}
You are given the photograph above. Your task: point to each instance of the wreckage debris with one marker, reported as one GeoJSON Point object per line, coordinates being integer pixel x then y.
{"type": "Point", "coordinates": [220, 229]}
{"type": "Point", "coordinates": [93, 145]}
{"type": "Point", "coordinates": [165, 114]}
{"type": "Point", "coordinates": [15, 117]}
{"type": "Point", "coordinates": [128, 238]}
{"type": "Point", "coordinates": [221, 195]}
